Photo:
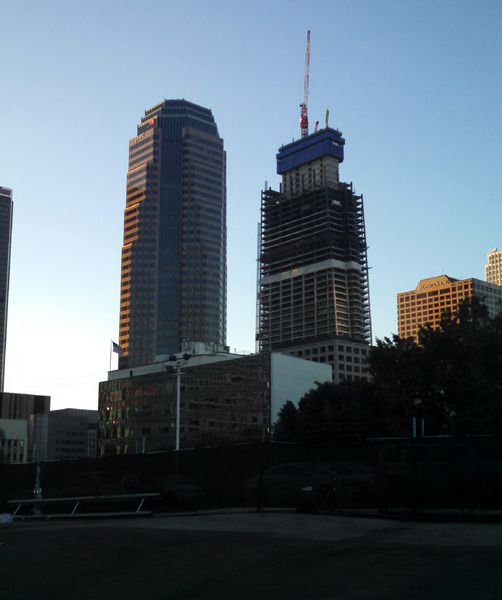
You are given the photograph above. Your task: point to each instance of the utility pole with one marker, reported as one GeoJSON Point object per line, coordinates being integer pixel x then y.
{"type": "Point", "coordinates": [178, 402]}
{"type": "Point", "coordinates": [180, 360]}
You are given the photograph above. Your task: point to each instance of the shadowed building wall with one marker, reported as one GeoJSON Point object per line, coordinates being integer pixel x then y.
{"type": "Point", "coordinates": [65, 434]}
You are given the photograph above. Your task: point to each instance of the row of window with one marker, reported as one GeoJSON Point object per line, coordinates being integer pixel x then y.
{"type": "Point", "coordinates": [425, 310]}
{"type": "Point", "coordinates": [454, 289]}
{"type": "Point", "coordinates": [11, 443]}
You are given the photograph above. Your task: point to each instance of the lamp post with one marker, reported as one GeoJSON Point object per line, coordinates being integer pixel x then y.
{"type": "Point", "coordinates": [37, 490]}
{"type": "Point", "coordinates": [178, 402]}
{"type": "Point", "coordinates": [180, 360]}
{"type": "Point", "coordinates": [418, 419]}
{"type": "Point", "coordinates": [417, 433]}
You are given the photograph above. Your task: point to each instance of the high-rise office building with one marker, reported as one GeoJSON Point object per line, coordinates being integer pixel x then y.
{"type": "Point", "coordinates": [493, 270]}
{"type": "Point", "coordinates": [5, 242]}
{"type": "Point", "coordinates": [173, 283]}
{"type": "Point", "coordinates": [426, 304]}
{"type": "Point", "coordinates": [313, 297]}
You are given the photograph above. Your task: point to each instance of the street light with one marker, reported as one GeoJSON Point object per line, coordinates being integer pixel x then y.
{"type": "Point", "coordinates": [180, 360]}
{"type": "Point", "coordinates": [418, 419]}
{"type": "Point", "coordinates": [37, 490]}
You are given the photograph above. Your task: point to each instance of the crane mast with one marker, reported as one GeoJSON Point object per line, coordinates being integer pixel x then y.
{"type": "Point", "coordinates": [304, 118]}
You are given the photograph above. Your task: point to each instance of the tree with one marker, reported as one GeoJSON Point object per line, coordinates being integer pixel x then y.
{"type": "Point", "coordinates": [455, 371]}
{"type": "Point", "coordinates": [334, 411]}
{"type": "Point", "coordinates": [452, 377]}
{"type": "Point", "coordinates": [285, 428]}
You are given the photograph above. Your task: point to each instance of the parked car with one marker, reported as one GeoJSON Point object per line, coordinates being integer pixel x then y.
{"type": "Point", "coordinates": [304, 486]}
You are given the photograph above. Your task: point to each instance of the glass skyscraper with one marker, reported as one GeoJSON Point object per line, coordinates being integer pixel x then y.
{"type": "Point", "coordinates": [173, 280]}
{"type": "Point", "coordinates": [5, 242]}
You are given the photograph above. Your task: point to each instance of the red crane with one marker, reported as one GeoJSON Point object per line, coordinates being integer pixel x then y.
{"type": "Point", "coordinates": [304, 118]}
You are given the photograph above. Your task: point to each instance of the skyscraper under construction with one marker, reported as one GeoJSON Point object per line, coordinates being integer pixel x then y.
{"type": "Point", "coordinates": [313, 296]}
{"type": "Point", "coordinates": [173, 281]}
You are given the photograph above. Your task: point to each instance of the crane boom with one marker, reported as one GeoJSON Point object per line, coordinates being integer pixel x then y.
{"type": "Point", "coordinates": [304, 118]}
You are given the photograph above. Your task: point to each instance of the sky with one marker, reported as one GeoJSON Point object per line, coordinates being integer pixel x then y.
{"type": "Point", "coordinates": [415, 87]}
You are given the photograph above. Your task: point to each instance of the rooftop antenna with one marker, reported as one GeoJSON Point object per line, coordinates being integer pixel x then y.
{"type": "Point", "coordinates": [327, 118]}
{"type": "Point", "coordinates": [304, 119]}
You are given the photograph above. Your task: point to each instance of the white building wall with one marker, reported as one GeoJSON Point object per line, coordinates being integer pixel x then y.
{"type": "Point", "coordinates": [291, 378]}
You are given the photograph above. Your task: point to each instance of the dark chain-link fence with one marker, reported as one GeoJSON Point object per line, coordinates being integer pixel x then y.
{"type": "Point", "coordinates": [449, 476]}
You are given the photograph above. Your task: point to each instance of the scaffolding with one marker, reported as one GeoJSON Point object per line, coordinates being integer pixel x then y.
{"type": "Point", "coordinates": [313, 267]}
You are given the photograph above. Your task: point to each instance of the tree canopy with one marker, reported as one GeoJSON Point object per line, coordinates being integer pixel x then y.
{"type": "Point", "coordinates": [455, 370]}
{"type": "Point", "coordinates": [452, 377]}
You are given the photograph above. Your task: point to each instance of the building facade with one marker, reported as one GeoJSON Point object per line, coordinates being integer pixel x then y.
{"type": "Point", "coordinates": [223, 398]}
{"type": "Point", "coordinates": [22, 406]}
{"type": "Point", "coordinates": [426, 304]}
{"type": "Point", "coordinates": [65, 434]}
{"type": "Point", "coordinates": [14, 441]}
{"type": "Point", "coordinates": [313, 291]}
{"type": "Point", "coordinates": [17, 408]}
{"type": "Point", "coordinates": [5, 244]}
{"type": "Point", "coordinates": [173, 279]}
{"type": "Point", "coordinates": [493, 269]}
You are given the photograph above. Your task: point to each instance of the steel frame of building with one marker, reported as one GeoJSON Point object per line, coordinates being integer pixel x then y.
{"type": "Point", "coordinates": [313, 267]}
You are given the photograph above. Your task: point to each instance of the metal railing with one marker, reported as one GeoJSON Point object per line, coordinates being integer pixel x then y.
{"type": "Point", "coordinates": [82, 506]}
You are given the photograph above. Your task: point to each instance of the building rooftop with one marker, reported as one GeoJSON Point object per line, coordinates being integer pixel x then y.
{"type": "Point", "coordinates": [326, 142]}
{"type": "Point", "coordinates": [157, 367]}
{"type": "Point", "coordinates": [444, 280]}
{"type": "Point", "coordinates": [423, 284]}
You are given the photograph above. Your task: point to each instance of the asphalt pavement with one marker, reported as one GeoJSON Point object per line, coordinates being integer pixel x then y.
{"type": "Point", "coordinates": [250, 556]}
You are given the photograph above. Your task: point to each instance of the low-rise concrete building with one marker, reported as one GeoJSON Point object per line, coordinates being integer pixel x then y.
{"type": "Point", "coordinates": [223, 398]}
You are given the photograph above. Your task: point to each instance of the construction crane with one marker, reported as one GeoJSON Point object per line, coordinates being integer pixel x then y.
{"type": "Point", "coordinates": [304, 118]}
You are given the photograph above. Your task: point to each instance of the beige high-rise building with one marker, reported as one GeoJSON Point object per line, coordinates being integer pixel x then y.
{"type": "Point", "coordinates": [433, 296]}
{"type": "Point", "coordinates": [493, 270]}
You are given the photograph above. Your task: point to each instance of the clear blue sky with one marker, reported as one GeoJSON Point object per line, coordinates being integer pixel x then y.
{"type": "Point", "coordinates": [416, 88]}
